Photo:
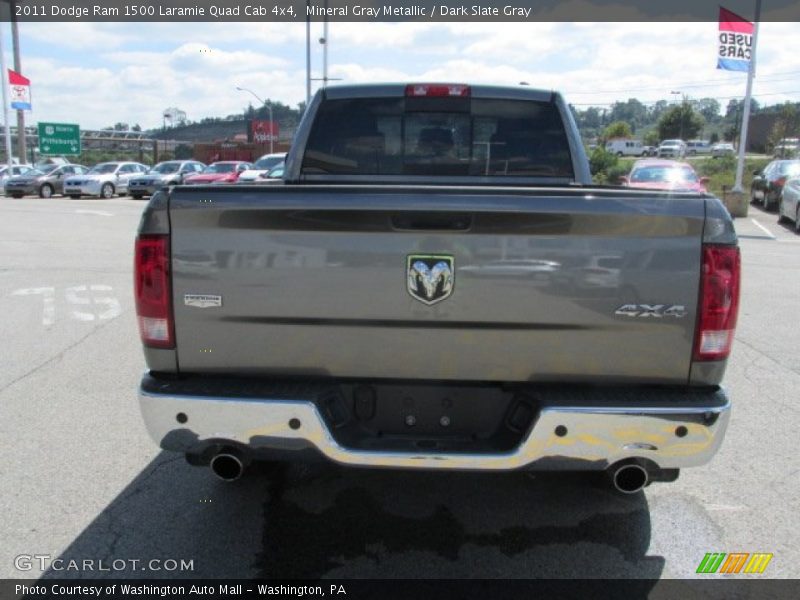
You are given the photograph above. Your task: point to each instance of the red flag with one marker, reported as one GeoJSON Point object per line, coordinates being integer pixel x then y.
{"type": "Point", "coordinates": [730, 21]}
{"type": "Point", "coordinates": [15, 78]}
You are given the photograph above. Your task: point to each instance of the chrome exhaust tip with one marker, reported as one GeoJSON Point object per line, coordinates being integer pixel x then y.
{"type": "Point", "coordinates": [227, 466]}
{"type": "Point", "coordinates": [629, 478]}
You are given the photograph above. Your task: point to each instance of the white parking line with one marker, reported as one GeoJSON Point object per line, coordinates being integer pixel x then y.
{"type": "Point", "coordinates": [100, 213]}
{"type": "Point", "coordinates": [764, 229]}
{"type": "Point", "coordinates": [49, 312]}
{"type": "Point", "coordinates": [96, 295]}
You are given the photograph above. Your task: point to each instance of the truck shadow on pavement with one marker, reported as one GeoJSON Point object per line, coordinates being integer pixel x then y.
{"type": "Point", "coordinates": [327, 521]}
{"type": "Point", "coordinates": [319, 520]}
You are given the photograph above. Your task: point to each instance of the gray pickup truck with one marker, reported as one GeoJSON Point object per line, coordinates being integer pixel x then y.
{"type": "Point", "coordinates": [437, 284]}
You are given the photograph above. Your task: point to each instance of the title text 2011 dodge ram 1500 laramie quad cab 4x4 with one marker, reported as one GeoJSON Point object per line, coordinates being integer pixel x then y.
{"type": "Point", "coordinates": [437, 284]}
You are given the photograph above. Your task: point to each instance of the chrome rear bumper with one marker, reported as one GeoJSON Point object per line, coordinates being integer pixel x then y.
{"type": "Point", "coordinates": [676, 429]}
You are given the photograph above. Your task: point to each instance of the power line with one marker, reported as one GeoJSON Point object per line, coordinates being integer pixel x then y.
{"type": "Point", "coordinates": [708, 83]}
{"type": "Point", "coordinates": [653, 102]}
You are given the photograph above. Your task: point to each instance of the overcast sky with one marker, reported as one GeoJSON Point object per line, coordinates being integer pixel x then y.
{"type": "Point", "coordinates": [96, 74]}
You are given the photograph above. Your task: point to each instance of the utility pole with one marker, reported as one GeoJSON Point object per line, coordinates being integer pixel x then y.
{"type": "Point", "coordinates": [675, 95]}
{"type": "Point", "coordinates": [22, 147]}
{"type": "Point", "coordinates": [324, 41]}
{"type": "Point", "coordinates": [4, 82]}
{"type": "Point", "coordinates": [308, 56]}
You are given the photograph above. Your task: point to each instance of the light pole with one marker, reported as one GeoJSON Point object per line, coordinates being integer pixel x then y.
{"type": "Point", "coordinates": [308, 55]}
{"type": "Point", "coordinates": [271, 120]}
{"type": "Point", "coordinates": [21, 141]}
{"type": "Point", "coordinates": [3, 80]}
{"type": "Point", "coordinates": [676, 94]}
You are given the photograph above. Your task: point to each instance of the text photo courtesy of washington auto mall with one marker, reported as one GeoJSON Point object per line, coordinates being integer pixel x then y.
{"type": "Point", "coordinates": [419, 299]}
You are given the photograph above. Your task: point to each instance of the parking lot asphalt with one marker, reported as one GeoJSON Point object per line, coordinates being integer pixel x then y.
{"type": "Point", "coordinates": [82, 480]}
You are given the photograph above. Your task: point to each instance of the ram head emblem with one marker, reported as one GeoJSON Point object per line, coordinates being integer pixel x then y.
{"type": "Point", "coordinates": [430, 277]}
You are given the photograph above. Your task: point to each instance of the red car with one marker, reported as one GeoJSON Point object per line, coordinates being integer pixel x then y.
{"type": "Point", "coordinates": [671, 175]}
{"type": "Point", "coordinates": [224, 171]}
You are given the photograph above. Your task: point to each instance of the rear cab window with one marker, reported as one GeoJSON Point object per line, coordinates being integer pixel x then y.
{"type": "Point", "coordinates": [430, 136]}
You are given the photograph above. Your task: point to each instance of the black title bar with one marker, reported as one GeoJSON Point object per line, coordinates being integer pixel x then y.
{"type": "Point", "coordinates": [388, 10]}
{"type": "Point", "coordinates": [388, 589]}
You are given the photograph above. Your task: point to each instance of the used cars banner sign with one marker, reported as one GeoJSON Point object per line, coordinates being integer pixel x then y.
{"type": "Point", "coordinates": [735, 42]}
{"type": "Point", "coordinates": [20, 87]}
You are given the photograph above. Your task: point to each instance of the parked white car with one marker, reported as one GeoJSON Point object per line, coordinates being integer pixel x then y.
{"type": "Point", "coordinates": [672, 149]}
{"type": "Point", "coordinates": [262, 166]}
{"type": "Point", "coordinates": [104, 180]}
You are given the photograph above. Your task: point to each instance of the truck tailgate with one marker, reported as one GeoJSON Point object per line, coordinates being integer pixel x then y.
{"type": "Point", "coordinates": [313, 280]}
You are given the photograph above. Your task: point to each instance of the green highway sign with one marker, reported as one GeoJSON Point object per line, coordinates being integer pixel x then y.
{"type": "Point", "coordinates": [59, 139]}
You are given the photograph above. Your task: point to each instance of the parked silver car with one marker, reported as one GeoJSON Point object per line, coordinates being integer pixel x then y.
{"type": "Point", "coordinates": [789, 206]}
{"type": "Point", "coordinates": [672, 149]}
{"type": "Point", "coordinates": [722, 149]}
{"type": "Point", "coordinates": [104, 180]}
{"type": "Point", "coordinates": [15, 170]}
{"type": "Point", "coordinates": [695, 147]}
{"type": "Point", "coordinates": [45, 181]}
{"type": "Point", "coordinates": [170, 172]}
{"type": "Point", "coordinates": [787, 148]}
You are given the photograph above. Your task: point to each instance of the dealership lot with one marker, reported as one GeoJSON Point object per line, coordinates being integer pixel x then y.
{"type": "Point", "coordinates": [83, 481]}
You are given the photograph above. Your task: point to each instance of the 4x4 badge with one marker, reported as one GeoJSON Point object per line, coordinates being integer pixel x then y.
{"type": "Point", "coordinates": [652, 310]}
{"type": "Point", "coordinates": [430, 277]}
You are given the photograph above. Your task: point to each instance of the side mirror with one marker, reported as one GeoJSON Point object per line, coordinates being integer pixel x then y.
{"type": "Point", "coordinates": [757, 173]}
{"type": "Point", "coordinates": [705, 180]}
{"type": "Point", "coordinates": [623, 180]}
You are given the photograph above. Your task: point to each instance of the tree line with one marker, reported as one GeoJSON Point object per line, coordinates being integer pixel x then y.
{"type": "Point", "coordinates": [688, 119]}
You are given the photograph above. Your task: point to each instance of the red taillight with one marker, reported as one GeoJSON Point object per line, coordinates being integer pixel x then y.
{"type": "Point", "coordinates": [152, 289]}
{"type": "Point", "coordinates": [779, 182]}
{"type": "Point", "coordinates": [719, 302]}
{"type": "Point", "coordinates": [437, 89]}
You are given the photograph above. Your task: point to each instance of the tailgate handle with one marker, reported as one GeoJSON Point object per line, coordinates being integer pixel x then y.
{"type": "Point", "coordinates": [432, 221]}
